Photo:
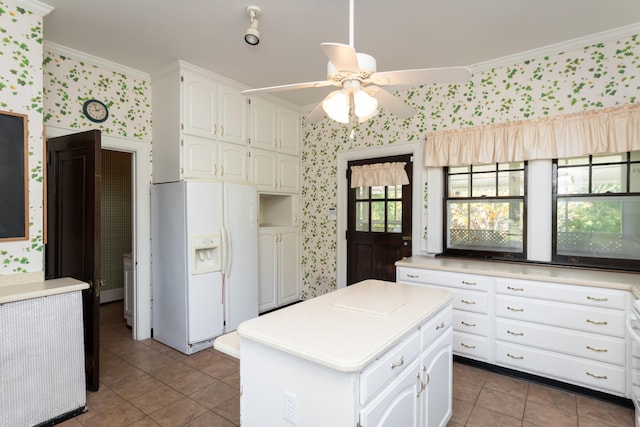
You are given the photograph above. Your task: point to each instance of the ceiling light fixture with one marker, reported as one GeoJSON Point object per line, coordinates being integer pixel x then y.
{"type": "Point", "coordinates": [252, 35]}
{"type": "Point", "coordinates": [338, 104]}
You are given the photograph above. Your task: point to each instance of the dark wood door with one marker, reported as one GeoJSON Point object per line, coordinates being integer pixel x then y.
{"type": "Point", "coordinates": [74, 175]}
{"type": "Point", "coordinates": [379, 226]}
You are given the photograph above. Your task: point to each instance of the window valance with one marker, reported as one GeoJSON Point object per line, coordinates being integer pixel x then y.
{"type": "Point", "coordinates": [608, 130]}
{"type": "Point", "coordinates": [379, 174]}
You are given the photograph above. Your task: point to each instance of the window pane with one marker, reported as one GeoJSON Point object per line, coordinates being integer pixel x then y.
{"type": "Point", "coordinates": [574, 161]}
{"type": "Point", "coordinates": [634, 181]}
{"type": "Point", "coordinates": [458, 169]}
{"type": "Point", "coordinates": [511, 183]}
{"type": "Point", "coordinates": [609, 158]}
{"type": "Point", "coordinates": [362, 216]}
{"type": "Point", "coordinates": [485, 225]}
{"type": "Point", "coordinates": [599, 227]}
{"type": "Point", "coordinates": [394, 192]}
{"type": "Point", "coordinates": [573, 180]}
{"type": "Point", "coordinates": [377, 216]}
{"type": "Point", "coordinates": [511, 165]}
{"type": "Point", "coordinates": [635, 156]}
{"type": "Point", "coordinates": [484, 168]}
{"type": "Point", "coordinates": [377, 192]}
{"type": "Point", "coordinates": [362, 193]}
{"type": "Point", "coordinates": [459, 186]}
{"type": "Point", "coordinates": [484, 185]}
{"type": "Point", "coordinates": [394, 217]}
{"type": "Point", "coordinates": [609, 179]}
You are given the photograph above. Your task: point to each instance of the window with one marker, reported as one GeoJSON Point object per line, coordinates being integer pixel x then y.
{"type": "Point", "coordinates": [379, 209]}
{"type": "Point", "coordinates": [596, 202]}
{"type": "Point", "coordinates": [485, 210]}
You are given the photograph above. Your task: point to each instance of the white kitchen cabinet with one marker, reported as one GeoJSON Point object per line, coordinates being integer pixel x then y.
{"type": "Point", "coordinates": [275, 172]}
{"type": "Point", "coordinates": [406, 384]}
{"type": "Point", "coordinates": [207, 159]}
{"type": "Point", "coordinates": [470, 307]}
{"type": "Point", "coordinates": [197, 115]}
{"type": "Point", "coordinates": [278, 266]}
{"type": "Point", "coordinates": [553, 327]}
{"type": "Point", "coordinates": [274, 127]}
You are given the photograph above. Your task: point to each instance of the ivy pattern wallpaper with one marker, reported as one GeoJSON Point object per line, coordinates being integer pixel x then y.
{"type": "Point", "coordinates": [597, 76]}
{"type": "Point", "coordinates": [21, 39]}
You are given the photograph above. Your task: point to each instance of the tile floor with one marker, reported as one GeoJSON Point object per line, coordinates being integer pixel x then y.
{"type": "Point", "coordinates": [145, 383]}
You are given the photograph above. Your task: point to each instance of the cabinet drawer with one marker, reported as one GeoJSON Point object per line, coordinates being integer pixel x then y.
{"type": "Point", "coordinates": [430, 331]}
{"type": "Point", "coordinates": [442, 278]}
{"type": "Point", "coordinates": [388, 366]}
{"type": "Point", "coordinates": [472, 346]}
{"type": "Point", "coordinates": [584, 372]}
{"type": "Point", "coordinates": [472, 323]}
{"type": "Point", "coordinates": [573, 316]}
{"type": "Point", "coordinates": [598, 297]}
{"type": "Point", "coordinates": [477, 302]}
{"type": "Point", "coordinates": [582, 344]}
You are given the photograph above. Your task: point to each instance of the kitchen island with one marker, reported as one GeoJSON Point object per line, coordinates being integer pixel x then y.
{"type": "Point", "coordinates": [374, 353]}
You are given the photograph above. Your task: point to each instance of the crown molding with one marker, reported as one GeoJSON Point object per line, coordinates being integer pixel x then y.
{"type": "Point", "coordinates": [34, 6]}
{"type": "Point", "coordinates": [95, 60]}
{"type": "Point", "coordinates": [573, 44]}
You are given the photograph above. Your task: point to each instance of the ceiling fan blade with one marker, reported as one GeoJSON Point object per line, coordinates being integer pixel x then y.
{"type": "Point", "coordinates": [390, 103]}
{"type": "Point", "coordinates": [422, 76]}
{"type": "Point", "coordinates": [282, 88]}
{"type": "Point", "coordinates": [315, 115]}
{"type": "Point", "coordinates": [342, 56]}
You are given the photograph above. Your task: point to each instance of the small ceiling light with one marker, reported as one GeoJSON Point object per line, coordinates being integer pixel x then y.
{"type": "Point", "coordinates": [252, 35]}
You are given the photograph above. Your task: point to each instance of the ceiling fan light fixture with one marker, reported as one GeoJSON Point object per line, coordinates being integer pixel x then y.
{"type": "Point", "coordinates": [337, 106]}
{"type": "Point", "coordinates": [252, 35]}
{"type": "Point", "coordinates": [366, 106]}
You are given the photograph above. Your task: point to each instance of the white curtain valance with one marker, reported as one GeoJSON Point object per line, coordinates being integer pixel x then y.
{"type": "Point", "coordinates": [379, 174]}
{"type": "Point", "coordinates": [609, 130]}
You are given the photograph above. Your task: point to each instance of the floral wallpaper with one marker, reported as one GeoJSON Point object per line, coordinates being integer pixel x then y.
{"type": "Point", "coordinates": [69, 82]}
{"type": "Point", "coordinates": [21, 39]}
{"type": "Point", "coordinates": [597, 76]}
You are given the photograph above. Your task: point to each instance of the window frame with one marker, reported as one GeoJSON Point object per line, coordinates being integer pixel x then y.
{"type": "Point", "coordinates": [485, 254]}
{"type": "Point", "coordinates": [589, 261]}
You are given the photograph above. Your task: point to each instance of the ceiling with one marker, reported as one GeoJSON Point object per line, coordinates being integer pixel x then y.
{"type": "Point", "coordinates": [400, 34]}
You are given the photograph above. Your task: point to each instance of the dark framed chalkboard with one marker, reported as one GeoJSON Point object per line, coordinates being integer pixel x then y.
{"type": "Point", "coordinates": [14, 181]}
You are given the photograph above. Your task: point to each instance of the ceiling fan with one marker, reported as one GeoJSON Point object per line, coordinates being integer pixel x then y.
{"type": "Point", "coordinates": [360, 94]}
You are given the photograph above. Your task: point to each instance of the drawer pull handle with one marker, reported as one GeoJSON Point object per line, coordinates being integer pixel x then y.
{"type": "Point", "coordinates": [468, 324]}
{"type": "Point", "coordinates": [598, 322]}
{"type": "Point", "coordinates": [413, 276]}
{"type": "Point", "coordinates": [468, 302]}
{"type": "Point", "coordinates": [514, 309]}
{"type": "Point", "coordinates": [400, 363]}
{"type": "Point", "coordinates": [464, 282]}
{"type": "Point", "coordinates": [603, 299]}
{"type": "Point", "coordinates": [599, 350]}
{"type": "Point", "coordinates": [599, 377]}
{"type": "Point", "coordinates": [511, 288]}
{"type": "Point", "coordinates": [517, 334]}
{"type": "Point", "coordinates": [467, 346]}
{"type": "Point", "coordinates": [440, 326]}
{"type": "Point", "coordinates": [515, 357]}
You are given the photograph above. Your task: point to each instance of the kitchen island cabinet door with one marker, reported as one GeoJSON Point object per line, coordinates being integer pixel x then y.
{"type": "Point", "coordinates": [437, 375]}
{"type": "Point", "coordinates": [397, 405]}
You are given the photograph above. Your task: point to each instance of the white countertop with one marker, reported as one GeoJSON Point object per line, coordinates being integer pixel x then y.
{"type": "Point", "coordinates": [628, 281]}
{"type": "Point", "coordinates": [348, 328]}
{"type": "Point", "coordinates": [12, 293]}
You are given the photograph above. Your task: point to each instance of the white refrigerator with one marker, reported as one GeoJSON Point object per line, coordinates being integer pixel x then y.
{"type": "Point", "coordinates": [204, 243]}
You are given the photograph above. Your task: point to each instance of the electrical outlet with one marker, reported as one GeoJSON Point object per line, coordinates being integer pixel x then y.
{"type": "Point", "coordinates": [289, 410]}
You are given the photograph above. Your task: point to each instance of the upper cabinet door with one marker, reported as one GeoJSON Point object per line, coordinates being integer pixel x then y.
{"type": "Point", "coordinates": [200, 106]}
{"type": "Point", "coordinates": [289, 131]}
{"type": "Point", "coordinates": [232, 118]}
{"type": "Point", "coordinates": [263, 124]}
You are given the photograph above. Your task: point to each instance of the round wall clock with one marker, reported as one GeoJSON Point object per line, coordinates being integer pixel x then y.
{"type": "Point", "coordinates": [95, 110]}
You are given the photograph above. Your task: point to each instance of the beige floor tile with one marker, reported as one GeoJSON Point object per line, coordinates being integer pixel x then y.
{"type": "Point", "coordinates": [155, 363]}
{"type": "Point", "coordinates": [100, 401]}
{"type": "Point", "coordinates": [221, 368]}
{"type": "Point", "coordinates": [461, 412]}
{"type": "Point", "coordinates": [552, 397]}
{"type": "Point", "coordinates": [192, 382]}
{"type": "Point", "coordinates": [542, 415]}
{"type": "Point", "coordinates": [230, 410]}
{"type": "Point", "coordinates": [121, 415]}
{"type": "Point", "coordinates": [210, 419]}
{"type": "Point", "coordinates": [215, 394]}
{"type": "Point", "coordinates": [130, 388]}
{"type": "Point", "coordinates": [506, 384]}
{"type": "Point", "coordinates": [481, 417]}
{"type": "Point", "coordinates": [179, 413]}
{"type": "Point", "coordinates": [466, 392]}
{"type": "Point", "coordinates": [156, 399]}
{"type": "Point", "coordinates": [111, 375]}
{"type": "Point", "coordinates": [502, 403]}
{"type": "Point", "coordinates": [172, 372]}
{"type": "Point", "coordinates": [465, 374]}
{"type": "Point", "coordinates": [608, 414]}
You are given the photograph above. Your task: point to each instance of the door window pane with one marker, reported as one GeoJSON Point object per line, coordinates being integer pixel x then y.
{"type": "Point", "coordinates": [394, 192]}
{"type": "Point", "coordinates": [377, 192]}
{"type": "Point", "coordinates": [362, 216]}
{"type": "Point", "coordinates": [378, 216]}
{"type": "Point", "coordinates": [394, 217]}
{"type": "Point", "coordinates": [362, 193]}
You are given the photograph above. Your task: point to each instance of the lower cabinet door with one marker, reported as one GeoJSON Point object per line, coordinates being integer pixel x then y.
{"type": "Point", "coordinates": [437, 374]}
{"type": "Point", "coordinates": [397, 405]}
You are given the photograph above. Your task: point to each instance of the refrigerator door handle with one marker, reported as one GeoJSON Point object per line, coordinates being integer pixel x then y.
{"type": "Point", "coordinates": [225, 254]}
{"type": "Point", "coordinates": [229, 250]}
